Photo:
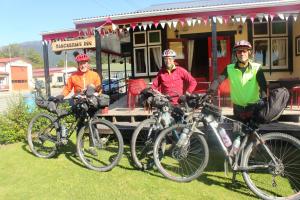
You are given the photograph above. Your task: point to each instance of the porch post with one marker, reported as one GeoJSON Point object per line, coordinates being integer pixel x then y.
{"type": "Point", "coordinates": [98, 53]}
{"type": "Point", "coordinates": [214, 48]}
{"type": "Point", "coordinates": [108, 68]}
{"type": "Point", "coordinates": [46, 68]}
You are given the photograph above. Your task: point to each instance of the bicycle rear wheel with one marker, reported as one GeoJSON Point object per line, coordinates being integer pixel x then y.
{"type": "Point", "coordinates": [142, 141]}
{"type": "Point", "coordinates": [107, 150]}
{"type": "Point", "coordinates": [41, 135]}
{"type": "Point", "coordinates": [271, 181]}
{"type": "Point", "coordinates": [181, 164]}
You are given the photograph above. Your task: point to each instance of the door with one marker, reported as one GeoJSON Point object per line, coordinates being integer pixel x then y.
{"type": "Point", "coordinates": [223, 54]}
{"type": "Point", "coordinates": [180, 47]}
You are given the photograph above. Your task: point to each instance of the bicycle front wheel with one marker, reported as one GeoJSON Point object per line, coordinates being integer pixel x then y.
{"type": "Point", "coordinates": [41, 135]}
{"type": "Point", "coordinates": [102, 149]}
{"type": "Point", "coordinates": [270, 180]}
{"type": "Point", "coordinates": [142, 141]}
{"type": "Point", "coordinates": [184, 163]}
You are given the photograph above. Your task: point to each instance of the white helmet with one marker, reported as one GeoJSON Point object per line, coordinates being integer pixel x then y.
{"type": "Point", "coordinates": [169, 53]}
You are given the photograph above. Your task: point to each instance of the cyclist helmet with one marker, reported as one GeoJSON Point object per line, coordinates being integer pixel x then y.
{"type": "Point", "coordinates": [169, 53]}
{"type": "Point", "coordinates": [82, 57]}
{"type": "Point", "coordinates": [242, 44]}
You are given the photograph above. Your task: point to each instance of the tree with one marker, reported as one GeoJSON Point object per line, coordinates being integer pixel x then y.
{"type": "Point", "coordinates": [61, 63]}
{"type": "Point", "coordinates": [34, 57]}
{"type": "Point", "coordinates": [12, 50]}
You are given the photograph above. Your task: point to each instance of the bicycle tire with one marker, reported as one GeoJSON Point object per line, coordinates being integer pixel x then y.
{"type": "Point", "coordinates": [41, 136]}
{"type": "Point", "coordinates": [109, 135]}
{"type": "Point", "coordinates": [166, 152]}
{"type": "Point", "coordinates": [142, 145]}
{"type": "Point", "coordinates": [258, 182]}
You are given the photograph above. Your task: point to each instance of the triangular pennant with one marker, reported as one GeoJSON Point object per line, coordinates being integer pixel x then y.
{"type": "Point", "coordinates": [205, 20]}
{"type": "Point", "coordinates": [175, 24]}
{"type": "Point", "coordinates": [194, 21]}
{"type": "Point", "coordinates": [114, 27]}
{"type": "Point", "coordinates": [225, 18]}
{"type": "Point", "coordinates": [286, 16]}
{"type": "Point", "coordinates": [140, 27]}
{"type": "Point", "coordinates": [145, 26]}
{"type": "Point", "coordinates": [266, 16]}
{"type": "Point", "coordinates": [295, 17]}
{"type": "Point", "coordinates": [281, 16]}
{"type": "Point", "coordinates": [199, 21]}
{"type": "Point", "coordinates": [133, 26]}
{"type": "Point", "coordinates": [214, 19]}
{"type": "Point", "coordinates": [182, 22]}
{"type": "Point", "coordinates": [244, 18]}
{"type": "Point", "coordinates": [237, 18]}
{"type": "Point", "coordinates": [156, 24]}
{"type": "Point", "coordinates": [127, 28]}
{"type": "Point", "coordinates": [220, 19]}
{"type": "Point", "coordinates": [189, 21]}
{"type": "Point", "coordinates": [163, 24]}
{"type": "Point", "coordinates": [271, 16]}
{"type": "Point", "coordinates": [169, 24]}
{"type": "Point", "coordinates": [252, 17]}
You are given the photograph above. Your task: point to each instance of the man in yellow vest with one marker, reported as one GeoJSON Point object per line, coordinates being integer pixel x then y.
{"type": "Point", "coordinates": [248, 88]}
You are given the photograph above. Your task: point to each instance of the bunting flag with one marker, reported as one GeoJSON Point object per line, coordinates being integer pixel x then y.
{"type": "Point", "coordinates": [114, 26]}
{"type": "Point", "coordinates": [266, 17]}
{"type": "Point", "coordinates": [295, 17]}
{"type": "Point", "coordinates": [155, 24]}
{"type": "Point", "coordinates": [144, 26]}
{"type": "Point", "coordinates": [140, 27]}
{"type": "Point", "coordinates": [225, 18]}
{"type": "Point", "coordinates": [271, 16]}
{"type": "Point", "coordinates": [252, 17]}
{"type": "Point", "coordinates": [220, 19]}
{"type": "Point", "coordinates": [244, 19]}
{"type": "Point", "coordinates": [194, 22]}
{"type": "Point", "coordinates": [181, 22]}
{"type": "Point", "coordinates": [175, 23]}
{"type": "Point", "coordinates": [214, 19]}
{"type": "Point", "coordinates": [169, 24]}
{"type": "Point", "coordinates": [237, 18]}
{"type": "Point", "coordinates": [189, 21]}
{"type": "Point", "coordinates": [163, 24]}
{"type": "Point", "coordinates": [281, 16]}
{"type": "Point", "coordinates": [199, 21]}
{"type": "Point", "coordinates": [128, 28]}
{"type": "Point", "coordinates": [205, 20]}
{"type": "Point", "coordinates": [133, 25]}
{"type": "Point", "coordinates": [286, 16]}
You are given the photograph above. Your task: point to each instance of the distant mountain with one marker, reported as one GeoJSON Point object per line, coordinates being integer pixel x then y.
{"type": "Point", "coordinates": [53, 58]}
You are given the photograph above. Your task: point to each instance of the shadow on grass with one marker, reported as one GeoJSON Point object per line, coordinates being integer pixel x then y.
{"type": "Point", "coordinates": [238, 186]}
{"type": "Point", "coordinates": [68, 150]}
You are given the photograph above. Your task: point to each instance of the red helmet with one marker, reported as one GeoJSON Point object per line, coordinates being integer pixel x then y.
{"type": "Point", "coordinates": [82, 57]}
{"type": "Point", "coordinates": [242, 43]}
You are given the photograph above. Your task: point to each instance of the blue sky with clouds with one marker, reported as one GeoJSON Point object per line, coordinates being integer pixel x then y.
{"type": "Point", "coordinates": [24, 20]}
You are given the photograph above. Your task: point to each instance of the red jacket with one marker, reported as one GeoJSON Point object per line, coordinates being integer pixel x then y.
{"type": "Point", "coordinates": [177, 82]}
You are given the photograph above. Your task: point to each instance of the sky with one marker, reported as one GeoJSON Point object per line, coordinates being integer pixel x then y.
{"type": "Point", "coordinates": [25, 20]}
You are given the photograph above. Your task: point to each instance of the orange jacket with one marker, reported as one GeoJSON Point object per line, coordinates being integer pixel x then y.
{"type": "Point", "coordinates": [79, 81]}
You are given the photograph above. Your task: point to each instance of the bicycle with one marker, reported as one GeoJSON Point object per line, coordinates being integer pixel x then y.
{"type": "Point", "coordinates": [145, 133]}
{"type": "Point", "coordinates": [269, 163]}
{"type": "Point", "coordinates": [99, 142]}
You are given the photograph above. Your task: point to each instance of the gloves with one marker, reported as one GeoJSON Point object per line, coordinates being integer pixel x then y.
{"type": "Point", "coordinates": [262, 102]}
{"type": "Point", "coordinates": [60, 97]}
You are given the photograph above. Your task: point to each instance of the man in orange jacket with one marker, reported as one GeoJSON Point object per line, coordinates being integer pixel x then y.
{"type": "Point", "coordinates": [82, 78]}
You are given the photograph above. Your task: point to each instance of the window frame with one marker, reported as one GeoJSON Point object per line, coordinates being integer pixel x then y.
{"type": "Point", "coordinates": [136, 74]}
{"type": "Point", "coordinates": [136, 33]}
{"type": "Point", "coordinates": [287, 54]}
{"type": "Point", "coordinates": [266, 67]}
{"type": "Point", "coordinates": [150, 72]}
{"type": "Point", "coordinates": [276, 35]}
{"type": "Point", "coordinates": [148, 37]}
{"type": "Point", "coordinates": [268, 29]}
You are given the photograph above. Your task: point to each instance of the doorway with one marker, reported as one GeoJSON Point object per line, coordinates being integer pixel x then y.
{"type": "Point", "coordinates": [200, 66]}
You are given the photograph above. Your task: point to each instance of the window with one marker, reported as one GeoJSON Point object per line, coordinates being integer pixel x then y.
{"type": "Point", "coordinates": [147, 52]}
{"type": "Point", "coordinates": [221, 48]}
{"type": "Point", "coordinates": [270, 43]}
{"type": "Point", "coordinates": [60, 79]}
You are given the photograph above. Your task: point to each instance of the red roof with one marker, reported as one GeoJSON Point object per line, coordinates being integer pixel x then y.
{"type": "Point", "coordinates": [7, 60]}
{"type": "Point", "coordinates": [3, 73]}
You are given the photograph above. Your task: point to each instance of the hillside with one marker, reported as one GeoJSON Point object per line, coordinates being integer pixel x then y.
{"type": "Point", "coordinates": [53, 58]}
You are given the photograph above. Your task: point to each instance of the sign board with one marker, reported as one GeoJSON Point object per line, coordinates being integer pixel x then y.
{"type": "Point", "coordinates": [82, 43]}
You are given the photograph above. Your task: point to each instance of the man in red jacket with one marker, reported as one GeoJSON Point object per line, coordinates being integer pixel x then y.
{"type": "Point", "coordinates": [173, 80]}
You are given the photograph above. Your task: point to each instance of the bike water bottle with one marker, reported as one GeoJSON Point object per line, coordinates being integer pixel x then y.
{"type": "Point", "coordinates": [64, 134]}
{"type": "Point", "coordinates": [235, 146]}
{"type": "Point", "coordinates": [183, 138]}
{"type": "Point", "coordinates": [225, 138]}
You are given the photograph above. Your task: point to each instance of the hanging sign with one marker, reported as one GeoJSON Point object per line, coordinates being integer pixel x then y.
{"type": "Point", "coordinates": [83, 43]}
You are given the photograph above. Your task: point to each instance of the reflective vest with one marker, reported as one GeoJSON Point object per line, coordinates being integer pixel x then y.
{"type": "Point", "coordinates": [243, 86]}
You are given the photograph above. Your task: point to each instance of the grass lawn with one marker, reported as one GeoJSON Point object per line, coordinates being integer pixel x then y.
{"type": "Point", "coordinates": [24, 176]}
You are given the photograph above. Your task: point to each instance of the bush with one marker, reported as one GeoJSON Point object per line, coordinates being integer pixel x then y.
{"type": "Point", "coordinates": [14, 122]}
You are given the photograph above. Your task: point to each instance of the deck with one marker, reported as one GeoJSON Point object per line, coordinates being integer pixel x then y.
{"type": "Point", "coordinates": [127, 119]}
